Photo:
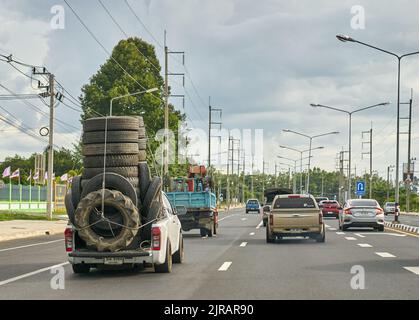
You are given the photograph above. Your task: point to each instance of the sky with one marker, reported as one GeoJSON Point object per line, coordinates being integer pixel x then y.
{"type": "Point", "coordinates": [262, 62]}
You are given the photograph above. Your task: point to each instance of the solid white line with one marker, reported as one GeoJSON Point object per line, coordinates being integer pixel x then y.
{"type": "Point", "coordinates": [234, 214]}
{"type": "Point", "coordinates": [350, 238]}
{"type": "Point", "coordinates": [364, 245]}
{"type": "Point", "coordinates": [30, 245]}
{"type": "Point", "coordinates": [415, 270]}
{"type": "Point", "coordinates": [340, 233]}
{"type": "Point", "coordinates": [225, 266]}
{"type": "Point", "coordinates": [259, 225]}
{"type": "Point", "coordinates": [251, 233]}
{"type": "Point", "coordinates": [243, 244]}
{"type": "Point", "coordinates": [32, 273]}
{"type": "Point", "coordinates": [385, 254]}
{"type": "Point", "coordinates": [359, 235]}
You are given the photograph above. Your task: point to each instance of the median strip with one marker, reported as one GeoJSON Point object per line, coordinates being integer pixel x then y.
{"type": "Point", "coordinates": [225, 266]}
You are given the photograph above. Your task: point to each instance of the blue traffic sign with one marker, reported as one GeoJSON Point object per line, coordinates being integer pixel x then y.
{"type": "Point", "coordinates": [360, 188]}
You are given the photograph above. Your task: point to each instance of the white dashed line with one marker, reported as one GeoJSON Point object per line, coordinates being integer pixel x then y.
{"type": "Point", "coordinates": [359, 235]}
{"type": "Point", "coordinates": [232, 215]}
{"type": "Point", "coordinates": [327, 226]}
{"type": "Point", "coordinates": [259, 225]}
{"type": "Point", "coordinates": [243, 244]}
{"type": "Point", "coordinates": [244, 219]}
{"type": "Point", "coordinates": [350, 238]}
{"type": "Point", "coordinates": [32, 273]}
{"type": "Point", "coordinates": [332, 229]}
{"type": "Point", "coordinates": [415, 270]}
{"type": "Point", "coordinates": [385, 254]}
{"type": "Point", "coordinates": [251, 233]}
{"type": "Point", "coordinates": [340, 233]}
{"type": "Point", "coordinates": [225, 266]}
{"type": "Point", "coordinates": [364, 245]}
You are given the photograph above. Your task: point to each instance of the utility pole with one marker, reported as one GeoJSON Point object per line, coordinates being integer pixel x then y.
{"type": "Point", "coordinates": [276, 175]}
{"type": "Point", "coordinates": [251, 182]}
{"type": "Point", "coordinates": [369, 132]}
{"type": "Point", "coordinates": [263, 181]}
{"type": "Point", "coordinates": [388, 182]}
{"type": "Point", "coordinates": [50, 190]}
{"type": "Point", "coordinates": [210, 123]}
{"type": "Point", "coordinates": [244, 175]}
{"type": "Point", "coordinates": [408, 171]}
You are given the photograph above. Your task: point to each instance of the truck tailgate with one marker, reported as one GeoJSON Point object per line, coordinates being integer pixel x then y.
{"type": "Point", "coordinates": [291, 218]}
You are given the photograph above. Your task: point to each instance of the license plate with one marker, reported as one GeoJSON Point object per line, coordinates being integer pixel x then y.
{"type": "Point", "coordinates": [114, 261]}
{"type": "Point", "coordinates": [295, 230]}
{"type": "Point", "coordinates": [330, 212]}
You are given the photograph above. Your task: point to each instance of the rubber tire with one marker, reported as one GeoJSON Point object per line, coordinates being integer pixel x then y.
{"type": "Point", "coordinates": [141, 133]}
{"type": "Point", "coordinates": [113, 181]}
{"type": "Point", "coordinates": [69, 207]}
{"type": "Point", "coordinates": [152, 213]}
{"type": "Point", "coordinates": [111, 137]}
{"type": "Point", "coordinates": [125, 160]}
{"type": "Point", "coordinates": [118, 123]}
{"type": "Point", "coordinates": [144, 178]}
{"type": "Point", "coordinates": [381, 228]}
{"type": "Point", "coordinates": [126, 172]}
{"type": "Point", "coordinates": [124, 206]}
{"type": "Point", "coordinates": [80, 268]}
{"type": "Point", "coordinates": [264, 223]}
{"type": "Point", "coordinates": [179, 255]}
{"type": "Point", "coordinates": [76, 189]}
{"type": "Point", "coordinates": [142, 155]}
{"type": "Point", "coordinates": [210, 230]}
{"type": "Point", "coordinates": [344, 228]}
{"type": "Point", "coordinates": [166, 267]}
{"type": "Point", "coordinates": [268, 238]}
{"type": "Point", "coordinates": [203, 232]}
{"type": "Point", "coordinates": [153, 191]}
{"type": "Point", "coordinates": [322, 237]}
{"type": "Point", "coordinates": [98, 149]}
{"type": "Point", "coordinates": [142, 144]}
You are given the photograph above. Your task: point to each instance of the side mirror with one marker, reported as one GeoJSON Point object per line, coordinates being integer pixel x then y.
{"type": "Point", "coordinates": [266, 208]}
{"type": "Point", "coordinates": [181, 210]}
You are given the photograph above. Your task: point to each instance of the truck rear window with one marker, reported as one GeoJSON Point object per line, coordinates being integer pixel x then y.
{"type": "Point", "coordinates": [293, 203]}
{"type": "Point", "coordinates": [252, 202]}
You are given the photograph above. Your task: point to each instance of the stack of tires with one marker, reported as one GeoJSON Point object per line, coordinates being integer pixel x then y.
{"type": "Point", "coordinates": [131, 199]}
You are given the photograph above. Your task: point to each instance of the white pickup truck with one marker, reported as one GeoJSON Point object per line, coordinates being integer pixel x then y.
{"type": "Point", "coordinates": [165, 247]}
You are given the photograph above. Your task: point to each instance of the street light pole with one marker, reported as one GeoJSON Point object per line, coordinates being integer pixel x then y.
{"type": "Point", "coordinates": [129, 95]}
{"type": "Point", "coordinates": [346, 38]}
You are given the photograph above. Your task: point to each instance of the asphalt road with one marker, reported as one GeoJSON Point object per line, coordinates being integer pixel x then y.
{"type": "Point", "coordinates": [237, 264]}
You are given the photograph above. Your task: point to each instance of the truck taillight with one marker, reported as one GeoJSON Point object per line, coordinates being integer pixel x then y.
{"type": "Point", "coordinates": [320, 218]}
{"type": "Point", "coordinates": [271, 219]}
{"type": "Point", "coordinates": [68, 237]}
{"type": "Point", "coordinates": [156, 238]}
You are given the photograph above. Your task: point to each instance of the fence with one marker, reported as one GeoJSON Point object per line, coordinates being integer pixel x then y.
{"type": "Point", "coordinates": [20, 197]}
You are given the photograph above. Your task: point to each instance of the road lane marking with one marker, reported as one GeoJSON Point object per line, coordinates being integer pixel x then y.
{"type": "Point", "coordinates": [232, 215]}
{"type": "Point", "coordinates": [350, 238]}
{"type": "Point", "coordinates": [243, 244]}
{"type": "Point", "coordinates": [415, 270]}
{"type": "Point", "coordinates": [340, 233]}
{"type": "Point", "coordinates": [364, 245]}
{"type": "Point", "coordinates": [332, 229]}
{"type": "Point", "coordinates": [251, 233]}
{"type": "Point", "coordinates": [244, 219]}
{"type": "Point", "coordinates": [382, 233]}
{"type": "Point", "coordinates": [225, 266]}
{"type": "Point", "coordinates": [259, 225]}
{"type": "Point", "coordinates": [327, 226]}
{"type": "Point", "coordinates": [385, 254]}
{"type": "Point", "coordinates": [404, 234]}
{"type": "Point", "coordinates": [26, 275]}
{"type": "Point", "coordinates": [359, 235]}
{"type": "Point", "coordinates": [31, 245]}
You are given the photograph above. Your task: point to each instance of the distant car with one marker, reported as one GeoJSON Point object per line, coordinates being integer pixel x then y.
{"type": "Point", "coordinates": [295, 215]}
{"type": "Point", "coordinates": [270, 195]}
{"type": "Point", "coordinates": [389, 207]}
{"type": "Point", "coordinates": [330, 208]}
{"type": "Point", "coordinates": [361, 213]}
{"type": "Point", "coordinates": [320, 199]}
{"type": "Point", "coordinates": [252, 205]}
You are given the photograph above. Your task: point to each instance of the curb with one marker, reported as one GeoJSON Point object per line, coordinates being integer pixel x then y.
{"type": "Point", "coordinates": [30, 234]}
{"type": "Point", "coordinates": [403, 227]}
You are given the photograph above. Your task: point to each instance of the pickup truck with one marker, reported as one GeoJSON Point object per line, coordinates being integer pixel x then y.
{"type": "Point", "coordinates": [269, 197]}
{"type": "Point", "coordinates": [295, 215]}
{"type": "Point", "coordinates": [165, 247]}
{"type": "Point", "coordinates": [201, 211]}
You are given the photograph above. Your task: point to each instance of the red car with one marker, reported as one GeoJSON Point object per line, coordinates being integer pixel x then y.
{"type": "Point", "coordinates": [330, 208]}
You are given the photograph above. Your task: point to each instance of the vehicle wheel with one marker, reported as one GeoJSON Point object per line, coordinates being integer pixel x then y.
{"type": "Point", "coordinates": [98, 149]}
{"type": "Point", "coordinates": [69, 207]}
{"type": "Point", "coordinates": [152, 192]}
{"type": "Point", "coordinates": [120, 209]}
{"type": "Point", "coordinates": [269, 239]}
{"type": "Point", "coordinates": [111, 137]}
{"type": "Point", "coordinates": [81, 268]}
{"type": "Point", "coordinates": [203, 232]}
{"type": "Point", "coordinates": [115, 160]}
{"type": "Point", "coordinates": [179, 255]}
{"type": "Point", "coordinates": [126, 172]}
{"type": "Point", "coordinates": [381, 228]}
{"type": "Point", "coordinates": [120, 123]}
{"type": "Point", "coordinates": [264, 223]}
{"type": "Point", "coordinates": [166, 267]}
{"type": "Point", "coordinates": [152, 214]}
{"type": "Point", "coordinates": [113, 181]}
{"type": "Point", "coordinates": [210, 230]}
{"type": "Point", "coordinates": [76, 189]}
{"type": "Point", "coordinates": [344, 228]}
{"type": "Point", "coordinates": [144, 178]}
{"type": "Point", "coordinates": [321, 237]}
{"type": "Point", "coordinates": [247, 211]}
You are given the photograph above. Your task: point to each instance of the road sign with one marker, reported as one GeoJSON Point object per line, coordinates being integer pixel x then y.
{"type": "Point", "coordinates": [360, 188]}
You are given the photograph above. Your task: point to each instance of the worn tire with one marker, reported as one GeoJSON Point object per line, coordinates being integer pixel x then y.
{"type": "Point", "coordinates": [141, 133]}
{"type": "Point", "coordinates": [69, 206]}
{"type": "Point", "coordinates": [98, 149]}
{"type": "Point", "coordinates": [179, 255]}
{"type": "Point", "coordinates": [142, 144]}
{"type": "Point", "coordinates": [153, 192]}
{"type": "Point", "coordinates": [119, 123]}
{"type": "Point", "coordinates": [113, 181]}
{"type": "Point", "coordinates": [126, 172]}
{"type": "Point", "coordinates": [116, 160]}
{"type": "Point", "coordinates": [144, 178]}
{"type": "Point", "coordinates": [125, 207]}
{"type": "Point", "coordinates": [142, 155]}
{"type": "Point", "coordinates": [76, 189]}
{"type": "Point", "coordinates": [111, 137]}
{"type": "Point", "coordinates": [166, 267]}
{"type": "Point", "coordinates": [153, 213]}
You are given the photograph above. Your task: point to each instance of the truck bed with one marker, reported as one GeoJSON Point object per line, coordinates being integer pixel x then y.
{"type": "Point", "coordinates": [193, 200]}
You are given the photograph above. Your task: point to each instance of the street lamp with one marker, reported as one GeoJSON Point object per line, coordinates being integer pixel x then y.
{"type": "Point", "coordinates": [346, 38]}
{"type": "Point", "coordinates": [301, 161]}
{"type": "Point", "coordinates": [349, 113]}
{"type": "Point", "coordinates": [311, 140]}
{"type": "Point", "coordinates": [128, 95]}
